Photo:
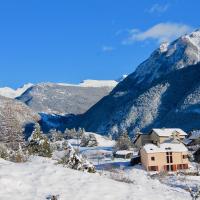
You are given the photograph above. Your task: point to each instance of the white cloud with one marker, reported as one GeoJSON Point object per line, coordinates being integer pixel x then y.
{"type": "Point", "coordinates": [107, 48]}
{"type": "Point", "coordinates": [160, 32]}
{"type": "Point", "coordinates": [158, 8]}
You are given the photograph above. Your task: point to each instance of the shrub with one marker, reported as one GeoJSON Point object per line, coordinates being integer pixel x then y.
{"type": "Point", "coordinates": [4, 152]}
{"type": "Point", "coordinates": [74, 161]}
{"type": "Point", "coordinates": [88, 141]}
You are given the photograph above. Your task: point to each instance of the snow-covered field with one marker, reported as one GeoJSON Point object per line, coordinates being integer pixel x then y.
{"type": "Point", "coordinates": [40, 177]}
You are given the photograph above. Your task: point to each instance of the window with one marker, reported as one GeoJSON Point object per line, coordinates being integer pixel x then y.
{"type": "Point", "coordinates": [152, 158]}
{"type": "Point", "coordinates": [182, 166]}
{"type": "Point", "coordinates": [185, 156]}
{"type": "Point", "coordinates": [179, 166]}
{"type": "Point", "coordinates": [169, 157]}
{"type": "Point", "coordinates": [153, 168]}
{"type": "Point", "coordinates": [185, 166]}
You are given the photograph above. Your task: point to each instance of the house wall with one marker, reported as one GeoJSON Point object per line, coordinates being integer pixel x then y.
{"type": "Point", "coordinates": [142, 140]}
{"type": "Point", "coordinates": [160, 159]}
{"type": "Point", "coordinates": [144, 159]}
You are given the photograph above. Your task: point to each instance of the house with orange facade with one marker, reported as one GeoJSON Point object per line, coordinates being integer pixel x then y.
{"type": "Point", "coordinates": [171, 156]}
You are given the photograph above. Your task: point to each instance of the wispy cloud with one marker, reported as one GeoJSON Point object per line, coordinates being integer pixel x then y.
{"type": "Point", "coordinates": [158, 8]}
{"type": "Point", "coordinates": [107, 48]}
{"type": "Point", "coordinates": [160, 32]}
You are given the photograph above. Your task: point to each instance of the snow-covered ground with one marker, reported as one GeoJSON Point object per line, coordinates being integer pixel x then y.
{"type": "Point", "coordinates": [41, 177]}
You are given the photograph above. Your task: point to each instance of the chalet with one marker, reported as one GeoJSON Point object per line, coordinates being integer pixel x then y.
{"type": "Point", "coordinates": [164, 157]}
{"type": "Point", "coordinates": [159, 136]}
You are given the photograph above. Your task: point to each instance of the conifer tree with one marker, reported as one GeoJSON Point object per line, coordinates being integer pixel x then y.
{"type": "Point", "coordinates": [123, 142]}
{"type": "Point", "coordinates": [39, 143]}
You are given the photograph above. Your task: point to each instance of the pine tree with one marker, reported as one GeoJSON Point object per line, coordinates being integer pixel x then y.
{"type": "Point", "coordinates": [39, 143]}
{"type": "Point", "coordinates": [123, 142]}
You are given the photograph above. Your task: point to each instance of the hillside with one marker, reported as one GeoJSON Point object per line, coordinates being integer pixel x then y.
{"type": "Point", "coordinates": [14, 116]}
{"type": "Point", "coordinates": [63, 99]}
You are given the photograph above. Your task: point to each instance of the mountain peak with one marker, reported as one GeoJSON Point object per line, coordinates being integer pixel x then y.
{"type": "Point", "coordinates": [172, 56]}
{"type": "Point", "coordinates": [164, 47]}
{"type": "Point", "coordinates": [11, 93]}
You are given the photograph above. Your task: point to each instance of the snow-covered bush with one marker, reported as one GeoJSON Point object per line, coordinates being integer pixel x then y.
{"type": "Point", "coordinates": [69, 134]}
{"type": "Point", "coordinates": [59, 145]}
{"type": "Point", "coordinates": [19, 155]}
{"type": "Point", "coordinates": [73, 134]}
{"type": "Point", "coordinates": [4, 152]}
{"type": "Point", "coordinates": [194, 192]}
{"type": "Point", "coordinates": [123, 142]}
{"type": "Point", "coordinates": [55, 135]}
{"type": "Point", "coordinates": [74, 161]}
{"type": "Point", "coordinates": [12, 155]}
{"type": "Point", "coordinates": [39, 144]}
{"type": "Point", "coordinates": [88, 140]}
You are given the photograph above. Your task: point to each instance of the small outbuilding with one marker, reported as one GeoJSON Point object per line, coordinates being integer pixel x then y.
{"type": "Point", "coordinates": [125, 154]}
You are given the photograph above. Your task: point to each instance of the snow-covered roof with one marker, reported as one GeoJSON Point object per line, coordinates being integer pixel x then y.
{"type": "Point", "coordinates": [195, 135]}
{"type": "Point", "coordinates": [123, 152]}
{"type": "Point", "coordinates": [165, 147]}
{"type": "Point", "coordinates": [165, 132]}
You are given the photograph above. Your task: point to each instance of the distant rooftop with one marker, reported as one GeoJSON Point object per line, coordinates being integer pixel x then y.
{"type": "Point", "coordinates": [166, 132]}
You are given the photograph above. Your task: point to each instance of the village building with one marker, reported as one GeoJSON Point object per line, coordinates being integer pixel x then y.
{"type": "Point", "coordinates": [164, 157]}
{"type": "Point", "coordinates": [159, 136]}
{"type": "Point", "coordinates": [125, 154]}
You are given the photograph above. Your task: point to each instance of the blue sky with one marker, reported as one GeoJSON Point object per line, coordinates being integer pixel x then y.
{"type": "Point", "coordinates": [72, 40]}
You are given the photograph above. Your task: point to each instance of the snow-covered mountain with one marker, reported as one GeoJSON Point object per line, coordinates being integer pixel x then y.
{"type": "Point", "coordinates": [164, 91]}
{"type": "Point", "coordinates": [63, 98]}
{"type": "Point", "coordinates": [14, 116]}
{"type": "Point", "coordinates": [94, 83]}
{"type": "Point", "coordinates": [11, 93]}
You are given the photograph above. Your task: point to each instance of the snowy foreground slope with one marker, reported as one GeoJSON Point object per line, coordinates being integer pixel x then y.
{"type": "Point", "coordinates": [41, 177]}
